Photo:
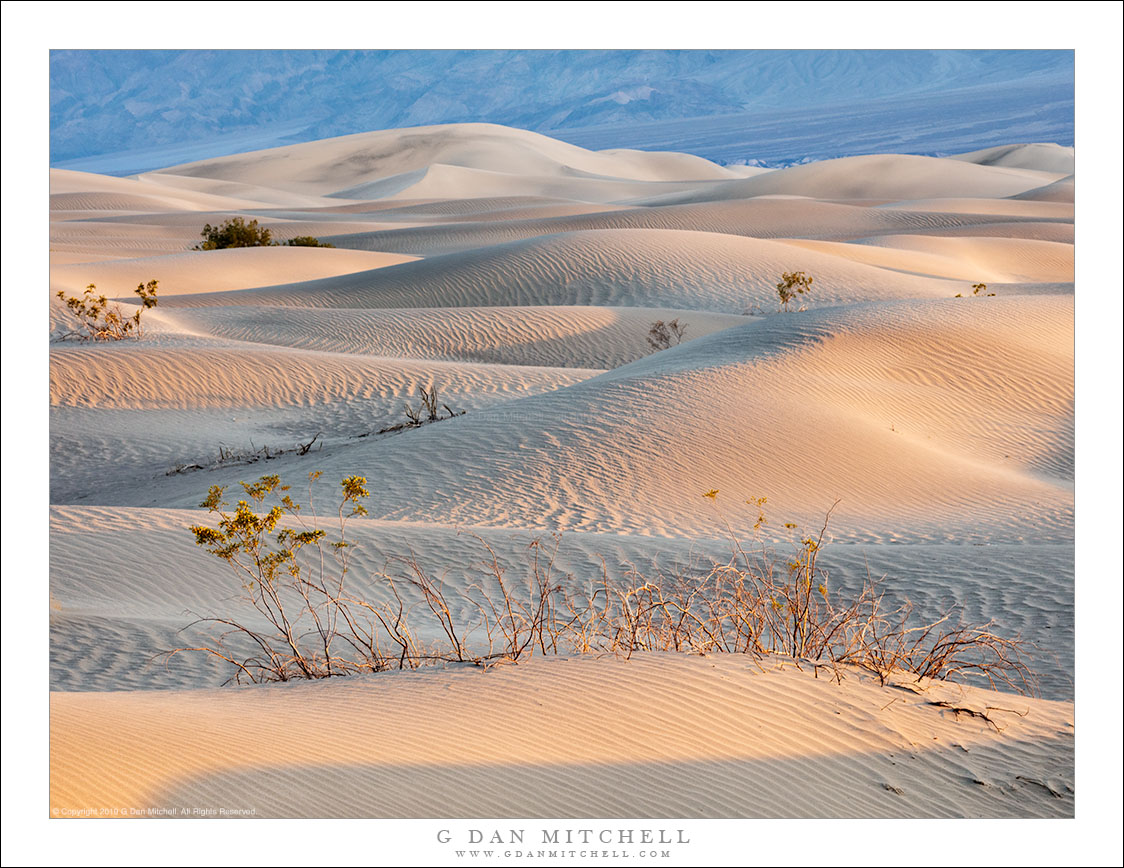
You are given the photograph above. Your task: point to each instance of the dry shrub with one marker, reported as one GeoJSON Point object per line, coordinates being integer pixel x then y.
{"type": "Point", "coordinates": [428, 410]}
{"type": "Point", "coordinates": [662, 335]}
{"type": "Point", "coordinates": [101, 321]}
{"type": "Point", "coordinates": [310, 625]}
{"type": "Point", "coordinates": [793, 283]}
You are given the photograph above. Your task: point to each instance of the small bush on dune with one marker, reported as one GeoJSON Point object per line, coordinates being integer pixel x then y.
{"type": "Point", "coordinates": [663, 335]}
{"type": "Point", "coordinates": [300, 600]}
{"type": "Point", "coordinates": [101, 321]}
{"type": "Point", "coordinates": [308, 624]}
{"type": "Point", "coordinates": [977, 289]}
{"type": "Point", "coordinates": [793, 283]}
{"type": "Point", "coordinates": [429, 410]}
{"type": "Point", "coordinates": [236, 232]}
{"type": "Point", "coordinates": [307, 241]}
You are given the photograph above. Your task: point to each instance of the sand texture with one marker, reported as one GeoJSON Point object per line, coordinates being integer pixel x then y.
{"type": "Point", "coordinates": [519, 277]}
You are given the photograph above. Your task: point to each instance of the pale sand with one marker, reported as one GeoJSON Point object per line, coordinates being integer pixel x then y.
{"type": "Point", "coordinates": [519, 276]}
{"type": "Point", "coordinates": [608, 267]}
{"type": "Point", "coordinates": [972, 260]}
{"type": "Point", "coordinates": [215, 270]}
{"type": "Point", "coordinates": [662, 736]}
{"type": "Point", "coordinates": [1042, 156]}
{"type": "Point", "coordinates": [760, 217]}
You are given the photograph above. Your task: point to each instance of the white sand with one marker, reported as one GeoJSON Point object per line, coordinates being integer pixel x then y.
{"type": "Point", "coordinates": [519, 276]}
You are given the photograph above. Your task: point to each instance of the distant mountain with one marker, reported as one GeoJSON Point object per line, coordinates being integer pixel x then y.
{"type": "Point", "coordinates": [168, 106]}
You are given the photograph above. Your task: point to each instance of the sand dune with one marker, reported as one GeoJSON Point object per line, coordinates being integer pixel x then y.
{"type": "Point", "coordinates": [173, 232]}
{"type": "Point", "coordinates": [127, 239]}
{"type": "Point", "coordinates": [615, 739]}
{"type": "Point", "coordinates": [756, 218]}
{"type": "Point", "coordinates": [182, 398]}
{"type": "Point", "coordinates": [1017, 206]}
{"type": "Point", "coordinates": [874, 178]}
{"type": "Point", "coordinates": [217, 270]}
{"type": "Point", "coordinates": [342, 164]}
{"type": "Point", "coordinates": [634, 268]}
{"type": "Point", "coordinates": [1029, 230]}
{"type": "Point", "coordinates": [122, 203]}
{"type": "Point", "coordinates": [996, 259]}
{"type": "Point", "coordinates": [560, 337]}
{"type": "Point", "coordinates": [258, 195]}
{"type": "Point", "coordinates": [896, 176]}
{"type": "Point", "coordinates": [943, 426]}
{"type": "Point", "coordinates": [478, 208]}
{"type": "Point", "coordinates": [931, 437]}
{"type": "Point", "coordinates": [192, 376]}
{"type": "Point", "coordinates": [458, 181]}
{"type": "Point", "coordinates": [1042, 157]}
{"type": "Point", "coordinates": [904, 474]}
{"type": "Point", "coordinates": [1059, 191]}
{"type": "Point", "coordinates": [72, 190]}
{"type": "Point", "coordinates": [1009, 260]}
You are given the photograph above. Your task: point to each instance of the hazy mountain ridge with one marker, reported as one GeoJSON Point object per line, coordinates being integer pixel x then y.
{"type": "Point", "coordinates": [112, 101]}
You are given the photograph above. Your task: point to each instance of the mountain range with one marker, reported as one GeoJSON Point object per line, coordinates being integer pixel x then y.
{"type": "Point", "coordinates": [118, 111]}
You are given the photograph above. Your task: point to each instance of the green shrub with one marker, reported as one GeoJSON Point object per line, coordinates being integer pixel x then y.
{"type": "Point", "coordinates": [235, 232]}
{"type": "Point", "coordinates": [307, 241]}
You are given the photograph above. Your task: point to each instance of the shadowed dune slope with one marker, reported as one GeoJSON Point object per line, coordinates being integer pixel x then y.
{"type": "Point", "coordinates": [1040, 156]}
{"type": "Point", "coordinates": [1059, 191]}
{"type": "Point", "coordinates": [173, 402]}
{"type": "Point", "coordinates": [562, 337]}
{"type": "Point", "coordinates": [756, 218]}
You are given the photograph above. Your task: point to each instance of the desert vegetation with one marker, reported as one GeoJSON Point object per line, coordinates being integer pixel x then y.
{"type": "Point", "coordinates": [662, 335]}
{"type": "Point", "coordinates": [300, 618]}
{"type": "Point", "coordinates": [793, 283]}
{"type": "Point", "coordinates": [307, 241]}
{"type": "Point", "coordinates": [99, 320]}
{"type": "Point", "coordinates": [229, 456]}
{"type": "Point", "coordinates": [977, 290]}
{"type": "Point", "coordinates": [236, 232]}
{"type": "Point", "coordinates": [428, 411]}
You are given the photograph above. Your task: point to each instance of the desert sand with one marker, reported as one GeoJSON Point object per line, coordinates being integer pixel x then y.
{"type": "Point", "coordinates": [519, 276]}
